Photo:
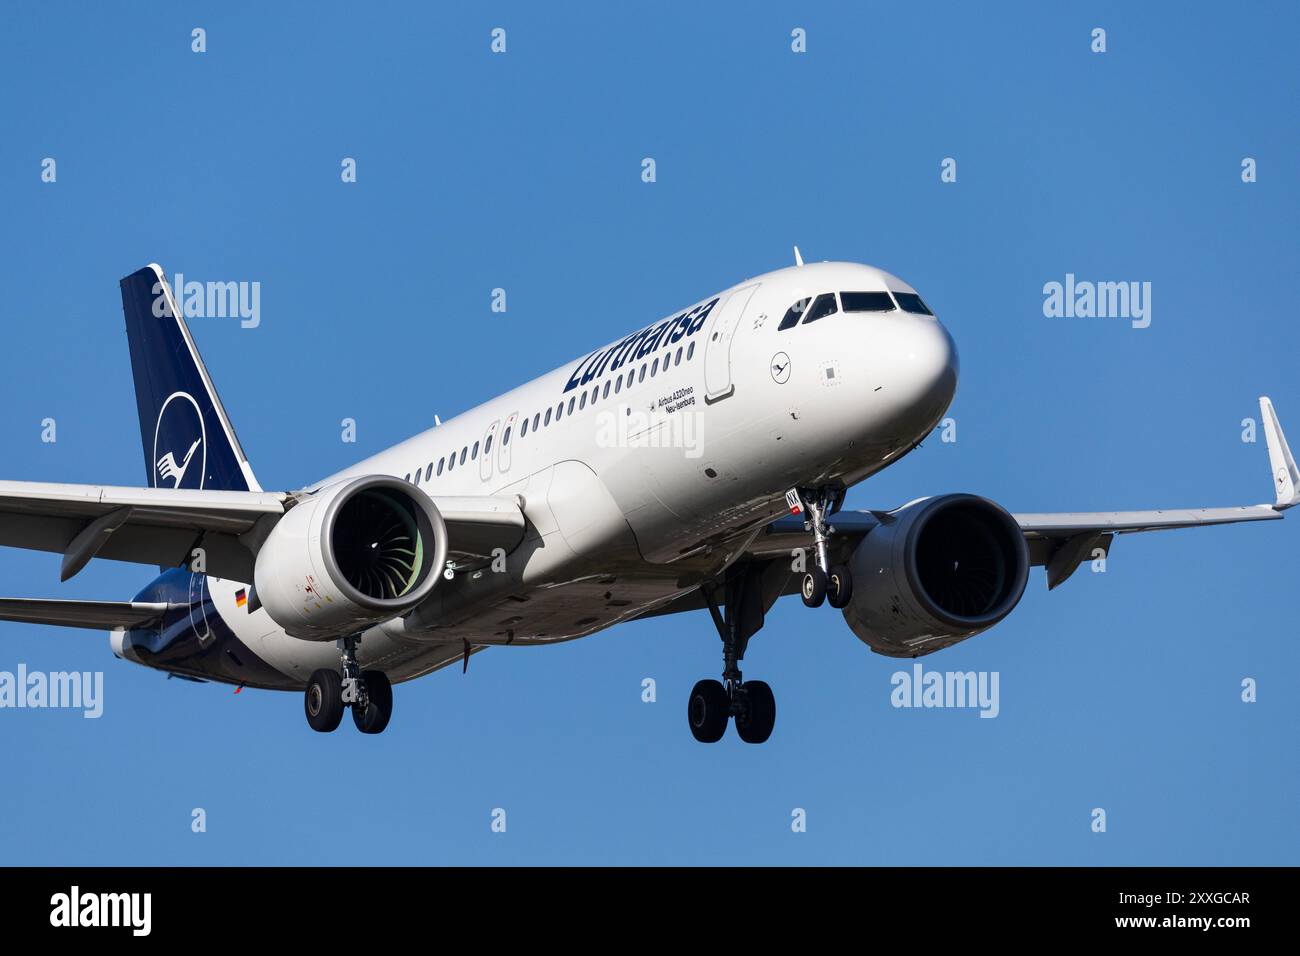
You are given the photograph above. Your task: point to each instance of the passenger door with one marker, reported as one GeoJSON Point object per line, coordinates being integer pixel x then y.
{"type": "Point", "coordinates": [717, 351]}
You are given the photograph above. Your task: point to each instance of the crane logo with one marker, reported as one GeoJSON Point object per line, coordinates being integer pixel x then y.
{"type": "Point", "coordinates": [780, 368]}
{"type": "Point", "coordinates": [167, 467]}
{"type": "Point", "coordinates": [180, 437]}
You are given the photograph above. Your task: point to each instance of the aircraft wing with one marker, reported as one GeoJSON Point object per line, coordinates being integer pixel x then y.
{"type": "Point", "coordinates": [163, 526]}
{"type": "Point", "coordinates": [1061, 541]}
{"type": "Point", "coordinates": [158, 526]}
{"type": "Point", "coordinates": [478, 524]}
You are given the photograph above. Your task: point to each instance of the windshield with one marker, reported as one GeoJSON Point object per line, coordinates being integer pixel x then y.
{"type": "Point", "coordinates": [822, 307]}
{"type": "Point", "coordinates": [911, 302]}
{"type": "Point", "coordinates": [867, 302]}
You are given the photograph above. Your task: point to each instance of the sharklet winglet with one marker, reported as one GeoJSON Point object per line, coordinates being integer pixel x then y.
{"type": "Point", "coordinates": [1286, 478]}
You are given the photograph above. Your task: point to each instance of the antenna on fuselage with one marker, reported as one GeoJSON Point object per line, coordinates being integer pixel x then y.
{"type": "Point", "coordinates": [798, 259]}
{"type": "Point", "coordinates": [437, 422]}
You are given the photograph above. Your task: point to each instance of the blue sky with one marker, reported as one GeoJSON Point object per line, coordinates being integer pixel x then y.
{"type": "Point", "coordinates": [1120, 690]}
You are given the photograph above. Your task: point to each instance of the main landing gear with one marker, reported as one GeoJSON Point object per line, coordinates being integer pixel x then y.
{"type": "Point", "coordinates": [713, 703]}
{"type": "Point", "coordinates": [368, 693]}
{"type": "Point", "coordinates": [823, 582]}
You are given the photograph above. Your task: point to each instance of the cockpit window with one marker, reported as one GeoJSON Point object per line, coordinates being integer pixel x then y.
{"type": "Point", "coordinates": [794, 315]}
{"type": "Point", "coordinates": [823, 306]}
{"type": "Point", "coordinates": [911, 302]}
{"type": "Point", "coordinates": [867, 302]}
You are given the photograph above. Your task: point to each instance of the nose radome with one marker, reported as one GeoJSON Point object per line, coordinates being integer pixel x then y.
{"type": "Point", "coordinates": [925, 366]}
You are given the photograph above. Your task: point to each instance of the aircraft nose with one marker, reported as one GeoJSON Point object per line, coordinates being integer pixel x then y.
{"type": "Point", "coordinates": [923, 367]}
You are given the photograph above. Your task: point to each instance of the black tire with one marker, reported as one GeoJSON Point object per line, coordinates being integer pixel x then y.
{"type": "Point", "coordinates": [813, 587]}
{"type": "Point", "coordinates": [379, 708]}
{"type": "Point", "coordinates": [839, 589]}
{"type": "Point", "coordinates": [323, 701]}
{"type": "Point", "coordinates": [757, 714]}
{"type": "Point", "coordinates": [708, 710]}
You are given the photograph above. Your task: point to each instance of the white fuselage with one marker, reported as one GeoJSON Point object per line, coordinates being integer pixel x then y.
{"type": "Point", "coordinates": [648, 461]}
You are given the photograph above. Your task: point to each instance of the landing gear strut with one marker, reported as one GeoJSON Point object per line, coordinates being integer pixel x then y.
{"type": "Point", "coordinates": [368, 693]}
{"type": "Point", "coordinates": [750, 703]}
{"type": "Point", "coordinates": [823, 581]}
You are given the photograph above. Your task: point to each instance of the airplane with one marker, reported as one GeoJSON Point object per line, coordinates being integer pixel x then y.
{"type": "Point", "coordinates": [698, 463]}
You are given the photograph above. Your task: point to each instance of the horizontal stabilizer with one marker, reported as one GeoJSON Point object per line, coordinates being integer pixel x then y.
{"type": "Point", "coordinates": [99, 615]}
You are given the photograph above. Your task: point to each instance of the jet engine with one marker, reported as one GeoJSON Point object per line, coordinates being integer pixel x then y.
{"type": "Point", "coordinates": [349, 556]}
{"type": "Point", "coordinates": [935, 572]}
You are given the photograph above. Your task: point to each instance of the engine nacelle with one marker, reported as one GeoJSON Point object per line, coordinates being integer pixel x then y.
{"type": "Point", "coordinates": [942, 570]}
{"type": "Point", "coordinates": [353, 554]}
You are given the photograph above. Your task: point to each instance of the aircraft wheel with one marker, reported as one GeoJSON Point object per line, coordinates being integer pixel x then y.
{"type": "Point", "coordinates": [757, 714]}
{"type": "Point", "coordinates": [839, 588]}
{"type": "Point", "coordinates": [813, 588]}
{"type": "Point", "coordinates": [379, 704]}
{"type": "Point", "coordinates": [708, 710]}
{"type": "Point", "coordinates": [323, 701]}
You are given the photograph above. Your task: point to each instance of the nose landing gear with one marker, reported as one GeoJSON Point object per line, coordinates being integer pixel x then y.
{"type": "Point", "coordinates": [368, 693]}
{"type": "Point", "coordinates": [823, 581]}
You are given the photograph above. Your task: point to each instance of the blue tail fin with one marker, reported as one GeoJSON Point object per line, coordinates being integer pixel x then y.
{"type": "Point", "coordinates": [187, 437]}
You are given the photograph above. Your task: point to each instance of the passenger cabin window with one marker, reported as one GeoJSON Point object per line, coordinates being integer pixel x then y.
{"type": "Point", "coordinates": [486, 448]}
{"type": "Point", "coordinates": [867, 302]}
{"type": "Point", "coordinates": [428, 472]}
{"type": "Point", "coordinates": [463, 453]}
{"type": "Point", "coordinates": [523, 427]}
{"type": "Point", "coordinates": [911, 302]}
{"type": "Point", "coordinates": [536, 420]}
{"type": "Point", "coordinates": [505, 439]}
{"type": "Point", "coordinates": [440, 464]}
{"type": "Point", "coordinates": [793, 316]}
{"type": "Point", "coordinates": [823, 306]}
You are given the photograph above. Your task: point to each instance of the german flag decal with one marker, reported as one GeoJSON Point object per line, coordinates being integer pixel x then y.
{"type": "Point", "coordinates": [241, 597]}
